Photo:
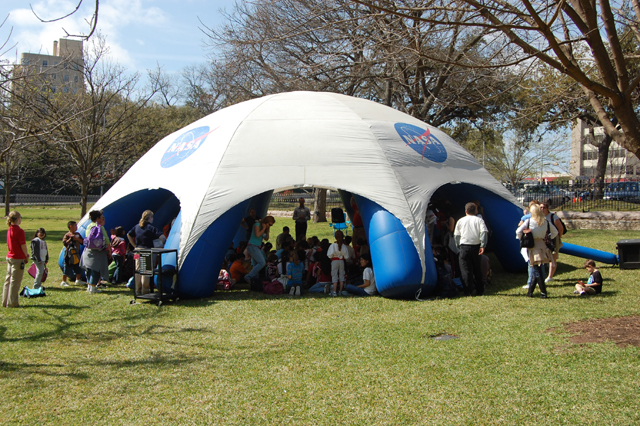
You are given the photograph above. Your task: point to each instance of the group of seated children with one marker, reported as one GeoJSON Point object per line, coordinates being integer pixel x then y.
{"type": "Point", "coordinates": [314, 265]}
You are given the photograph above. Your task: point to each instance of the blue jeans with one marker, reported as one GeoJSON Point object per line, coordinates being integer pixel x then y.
{"type": "Point", "coordinates": [358, 291]}
{"type": "Point", "coordinates": [94, 277]}
{"type": "Point", "coordinates": [258, 258]}
{"type": "Point", "coordinates": [37, 281]}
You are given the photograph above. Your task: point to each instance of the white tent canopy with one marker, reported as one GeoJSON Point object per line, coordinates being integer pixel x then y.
{"type": "Point", "coordinates": [303, 138]}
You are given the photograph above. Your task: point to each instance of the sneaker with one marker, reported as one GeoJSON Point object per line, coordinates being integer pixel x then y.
{"type": "Point", "coordinates": [344, 293]}
{"type": "Point", "coordinates": [543, 295]}
{"type": "Point", "coordinates": [548, 280]}
{"type": "Point", "coordinates": [298, 290]}
{"type": "Point", "coordinates": [292, 291]}
{"type": "Point", "coordinates": [576, 292]}
{"type": "Point", "coordinates": [333, 294]}
{"type": "Point", "coordinates": [64, 284]}
{"type": "Point", "coordinates": [89, 288]}
{"type": "Point", "coordinates": [525, 286]}
{"type": "Point", "coordinates": [80, 283]}
{"type": "Point", "coordinates": [583, 293]}
{"type": "Point", "coordinates": [94, 290]}
{"type": "Point", "coordinates": [327, 288]}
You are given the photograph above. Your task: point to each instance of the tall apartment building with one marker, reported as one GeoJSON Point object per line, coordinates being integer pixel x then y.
{"type": "Point", "coordinates": [622, 165]}
{"type": "Point", "coordinates": [61, 72]}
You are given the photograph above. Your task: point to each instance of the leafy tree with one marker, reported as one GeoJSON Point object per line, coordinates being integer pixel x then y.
{"type": "Point", "coordinates": [593, 43]}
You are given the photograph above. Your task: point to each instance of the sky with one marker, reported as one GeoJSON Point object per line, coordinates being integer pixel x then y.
{"type": "Point", "coordinates": [141, 34]}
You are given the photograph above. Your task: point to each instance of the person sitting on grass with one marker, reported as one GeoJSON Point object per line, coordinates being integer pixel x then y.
{"type": "Point", "coordinates": [294, 273]}
{"type": "Point", "coordinates": [368, 287]}
{"type": "Point", "coordinates": [272, 267]}
{"type": "Point", "coordinates": [594, 283]}
{"type": "Point", "coordinates": [237, 269]}
{"type": "Point", "coordinates": [71, 242]}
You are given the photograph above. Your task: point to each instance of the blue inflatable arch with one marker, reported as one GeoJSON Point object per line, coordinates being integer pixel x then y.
{"type": "Point", "coordinates": [397, 266]}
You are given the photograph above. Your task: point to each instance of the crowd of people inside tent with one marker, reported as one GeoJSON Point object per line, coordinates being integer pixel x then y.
{"type": "Point", "coordinates": [298, 264]}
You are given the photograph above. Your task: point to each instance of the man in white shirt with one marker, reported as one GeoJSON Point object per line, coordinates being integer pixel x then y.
{"type": "Point", "coordinates": [471, 237]}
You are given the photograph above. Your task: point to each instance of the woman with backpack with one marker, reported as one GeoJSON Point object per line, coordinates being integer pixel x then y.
{"type": "Point", "coordinates": [95, 258]}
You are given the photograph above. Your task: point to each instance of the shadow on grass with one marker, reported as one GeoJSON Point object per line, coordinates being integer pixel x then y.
{"type": "Point", "coordinates": [60, 327]}
{"type": "Point", "coordinates": [25, 367]}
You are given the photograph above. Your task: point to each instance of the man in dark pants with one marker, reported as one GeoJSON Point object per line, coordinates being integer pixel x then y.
{"type": "Point", "coordinates": [301, 215]}
{"type": "Point", "coordinates": [471, 237]}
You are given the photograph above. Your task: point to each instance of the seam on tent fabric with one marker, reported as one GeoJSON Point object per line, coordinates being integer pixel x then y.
{"type": "Point", "coordinates": [181, 256]}
{"type": "Point", "coordinates": [422, 258]}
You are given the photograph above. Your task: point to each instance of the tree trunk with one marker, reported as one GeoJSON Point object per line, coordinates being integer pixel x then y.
{"type": "Point", "coordinates": [601, 167]}
{"type": "Point", "coordinates": [320, 205]}
{"type": "Point", "coordinates": [7, 195]}
{"type": "Point", "coordinates": [83, 198]}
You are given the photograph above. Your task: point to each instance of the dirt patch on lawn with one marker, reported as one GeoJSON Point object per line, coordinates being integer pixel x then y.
{"type": "Point", "coordinates": [623, 331]}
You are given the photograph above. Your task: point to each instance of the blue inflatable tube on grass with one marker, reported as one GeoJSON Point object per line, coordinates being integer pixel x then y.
{"type": "Point", "coordinates": [589, 253]}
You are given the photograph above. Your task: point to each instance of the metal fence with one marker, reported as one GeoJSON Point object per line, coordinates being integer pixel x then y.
{"type": "Point", "coordinates": [584, 196]}
{"type": "Point", "coordinates": [46, 199]}
{"type": "Point", "coordinates": [288, 200]}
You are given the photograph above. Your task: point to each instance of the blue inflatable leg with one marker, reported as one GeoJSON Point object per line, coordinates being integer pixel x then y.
{"type": "Point", "coordinates": [199, 271]}
{"type": "Point", "coordinates": [396, 262]}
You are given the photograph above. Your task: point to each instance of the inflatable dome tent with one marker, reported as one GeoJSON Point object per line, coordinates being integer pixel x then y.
{"type": "Point", "coordinates": [210, 173]}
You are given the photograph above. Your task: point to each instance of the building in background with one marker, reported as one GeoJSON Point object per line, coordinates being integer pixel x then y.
{"type": "Point", "coordinates": [61, 72]}
{"type": "Point", "coordinates": [621, 165]}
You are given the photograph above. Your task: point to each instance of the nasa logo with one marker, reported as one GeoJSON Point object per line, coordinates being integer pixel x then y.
{"type": "Point", "coordinates": [422, 142]}
{"type": "Point", "coordinates": [185, 145]}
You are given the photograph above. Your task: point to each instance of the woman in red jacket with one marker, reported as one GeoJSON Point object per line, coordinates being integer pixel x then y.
{"type": "Point", "coordinates": [17, 258]}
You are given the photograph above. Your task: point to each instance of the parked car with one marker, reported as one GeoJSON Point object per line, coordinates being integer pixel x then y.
{"type": "Point", "coordinates": [549, 194]}
{"type": "Point", "coordinates": [624, 191]}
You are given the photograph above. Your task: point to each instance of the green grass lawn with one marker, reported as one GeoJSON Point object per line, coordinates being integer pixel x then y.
{"type": "Point", "coordinates": [249, 359]}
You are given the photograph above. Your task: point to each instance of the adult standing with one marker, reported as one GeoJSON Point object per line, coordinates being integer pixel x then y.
{"type": "Point", "coordinates": [17, 258]}
{"type": "Point", "coordinates": [555, 220]}
{"type": "Point", "coordinates": [142, 236]}
{"type": "Point", "coordinates": [471, 237]}
{"type": "Point", "coordinates": [95, 257]}
{"type": "Point", "coordinates": [539, 254]}
{"type": "Point", "coordinates": [260, 232]}
{"type": "Point", "coordinates": [248, 222]}
{"type": "Point", "coordinates": [301, 215]}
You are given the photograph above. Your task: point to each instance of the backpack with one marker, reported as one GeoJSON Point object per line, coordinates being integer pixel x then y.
{"type": "Point", "coordinates": [71, 255]}
{"type": "Point", "coordinates": [564, 227]}
{"type": "Point", "coordinates": [273, 287]}
{"type": "Point", "coordinates": [95, 239]}
{"type": "Point", "coordinates": [32, 292]}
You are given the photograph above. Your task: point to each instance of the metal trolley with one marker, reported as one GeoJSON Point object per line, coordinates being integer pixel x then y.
{"type": "Point", "coordinates": [150, 265]}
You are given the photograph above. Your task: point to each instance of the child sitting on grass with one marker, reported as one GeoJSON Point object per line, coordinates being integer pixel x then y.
{"type": "Point", "coordinates": [294, 273]}
{"type": "Point", "coordinates": [594, 283]}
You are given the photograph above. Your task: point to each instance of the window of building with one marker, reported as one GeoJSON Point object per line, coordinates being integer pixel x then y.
{"type": "Point", "coordinates": [631, 170]}
{"type": "Point", "coordinates": [25, 61]}
{"type": "Point", "coordinates": [75, 78]}
{"type": "Point", "coordinates": [65, 89]}
{"type": "Point", "coordinates": [53, 89]}
{"type": "Point", "coordinates": [589, 155]}
{"type": "Point", "coordinates": [74, 90]}
{"type": "Point", "coordinates": [54, 76]}
{"type": "Point", "coordinates": [45, 63]}
{"type": "Point", "coordinates": [66, 77]}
